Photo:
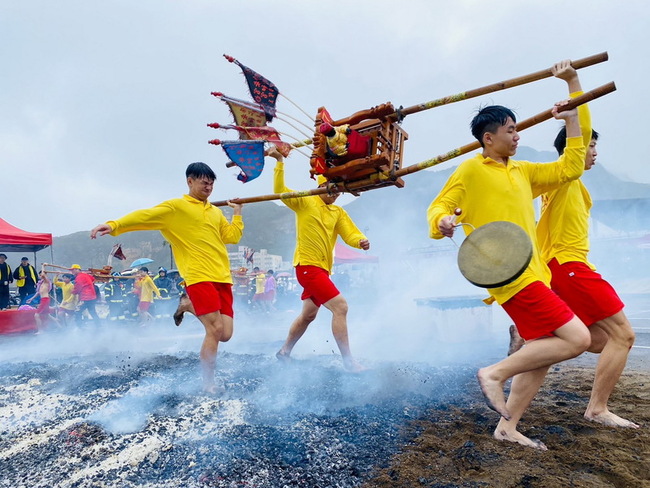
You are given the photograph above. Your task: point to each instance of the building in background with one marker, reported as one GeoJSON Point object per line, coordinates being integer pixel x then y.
{"type": "Point", "coordinates": [261, 259]}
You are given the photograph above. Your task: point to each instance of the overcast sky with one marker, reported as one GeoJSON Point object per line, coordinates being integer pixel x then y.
{"type": "Point", "coordinates": [103, 104]}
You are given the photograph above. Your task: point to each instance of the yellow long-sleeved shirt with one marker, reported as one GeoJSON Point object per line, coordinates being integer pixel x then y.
{"type": "Point", "coordinates": [69, 301]}
{"type": "Point", "coordinates": [563, 227]}
{"type": "Point", "coordinates": [147, 289]}
{"type": "Point", "coordinates": [489, 191]}
{"type": "Point", "coordinates": [197, 231]}
{"type": "Point", "coordinates": [317, 226]}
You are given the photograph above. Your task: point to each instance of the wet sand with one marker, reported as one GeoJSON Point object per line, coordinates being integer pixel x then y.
{"type": "Point", "coordinates": [452, 445]}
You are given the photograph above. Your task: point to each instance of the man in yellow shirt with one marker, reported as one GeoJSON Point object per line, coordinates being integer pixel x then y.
{"type": "Point", "coordinates": [492, 187]}
{"type": "Point", "coordinates": [318, 224]}
{"type": "Point", "coordinates": [257, 302]}
{"type": "Point", "coordinates": [198, 233]}
{"type": "Point", "coordinates": [563, 234]}
{"type": "Point", "coordinates": [69, 302]}
{"type": "Point", "coordinates": [147, 289]}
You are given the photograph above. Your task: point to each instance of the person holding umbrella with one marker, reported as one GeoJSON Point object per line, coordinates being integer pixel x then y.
{"type": "Point", "coordinates": [198, 233]}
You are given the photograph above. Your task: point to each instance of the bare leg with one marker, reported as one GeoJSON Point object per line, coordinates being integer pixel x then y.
{"type": "Point", "coordinates": [339, 308]}
{"type": "Point", "coordinates": [298, 328]}
{"type": "Point", "coordinates": [620, 338]}
{"type": "Point", "coordinates": [569, 341]}
{"type": "Point", "coordinates": [184, 305]}
{"type": "Point", "coordinates": [39, 323]}
{"type": "Point", "coordinates": [218, 328]}
{"type": "Point", "coordinates": [524, 388]}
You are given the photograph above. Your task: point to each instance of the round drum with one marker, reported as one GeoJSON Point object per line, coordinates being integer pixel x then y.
{"type": "Point", "coordinates": [495, 254]}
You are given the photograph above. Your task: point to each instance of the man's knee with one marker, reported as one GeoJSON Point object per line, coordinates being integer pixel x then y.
{"type": "Point", "coordinates": [582, 343]}
{"type": "Point", "coordinates": [338, 305]}
{"type": "Point", "coordinates": [213, 327]}
{"type": "Point", "coordinates": [619, 330]}
{"type": "Point", "coordinates": [227, 329]}
{"type": "Point", "coordinates": [624, 337]}
{"type": "Point", "coordinates": [578, 337]}
{"type": "Point", "coordinates": [309, 316]}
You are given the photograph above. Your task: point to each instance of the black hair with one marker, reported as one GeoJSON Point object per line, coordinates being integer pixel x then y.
{"type": "Point", "coordinates": [145, 269]}
{"type": "Point", "coordinates": [68, 275]}
{"type": "Point", "coordinates": [560, 140]}
{"type": "Point", "coordinates": [200, 170]}
{"type": "Point", "coordinates": [269, 272]}
{"type": "Point", "coordinates": [489, 119]}
{"type": "Point", "coordinates": [3, 255]}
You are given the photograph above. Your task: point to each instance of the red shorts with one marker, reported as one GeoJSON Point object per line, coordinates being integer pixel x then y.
{"type": "Point", "coordinates": [44, 306]}
{"type": "Point", "coordinates": [537, 311]}
{"type": "Point", "coordinates": [316, 284]}
{"type": "Point", "coordinates": [585, 291]}
{"type": "Point", "coordinates": [144, 306]}
{"type": "Point", "coordinates": [209, 297]}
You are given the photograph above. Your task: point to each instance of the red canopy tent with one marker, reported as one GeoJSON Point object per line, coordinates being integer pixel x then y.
{"type": "Point", "coordinates": [347, 255]}
{"type": "Point", "coordinates": [13, 239]}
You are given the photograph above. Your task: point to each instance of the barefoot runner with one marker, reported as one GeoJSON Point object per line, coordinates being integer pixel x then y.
{"type": "Point", "coordinates": [492, 187]}
{"type": "Point", "coordinates": [43, 288]}
{"type": "Point", "coordinates": [318, 224]}
{"type": "Point", "coordinates": [563, 235]}
{"type": "Point", "coordinates": [198, 233]}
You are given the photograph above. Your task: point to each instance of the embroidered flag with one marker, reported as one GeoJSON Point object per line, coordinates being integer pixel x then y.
{"type": "Point", "coordinates": [245, 114]}
{"type": "Point", "coordinates": [248, 254]}
{"type": "Point", "coordinates": [248, 156]}
{"type": "Point", "coordinates": [117, 252]}
{"type": "Point", "coordinates": [265, 133]}
{"type": "Point", "coordinates": [263, 91]}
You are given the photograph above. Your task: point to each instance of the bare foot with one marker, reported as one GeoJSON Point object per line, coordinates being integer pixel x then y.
{"type": "Point", "coordinates": [178, 317]}
{"type": "Point", "coordinates": [353, 366]}
{"type": "Point", "coordinates": [493, 393]}
{"type": "Point", "coordinates": [183, 306]}
{"type": "Point", "coordinates": [283, 357]}
{"type": "Point", "coordinates": [516, 341]}
{"type": "Point", "coordinates": [519, 438]}
{"type": "Point", "coordinates": [611, 420]}
{"type": "Point", "coordinates": [214, 389]}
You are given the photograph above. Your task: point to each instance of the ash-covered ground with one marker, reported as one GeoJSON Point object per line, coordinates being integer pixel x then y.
{"type": "Point", "coordinates": [120, 405]}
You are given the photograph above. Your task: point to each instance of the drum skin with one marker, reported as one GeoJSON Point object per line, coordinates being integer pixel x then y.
{"type": "Point", "coordinates": [495, 254]}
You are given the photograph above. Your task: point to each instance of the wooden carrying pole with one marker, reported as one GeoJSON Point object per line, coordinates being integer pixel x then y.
{"type": "Point", "coordinates": [361, 184]}
{"type": "Point", "coordinates": [477, 92]}
{"type": "Point", "coordinates": [524, 124]}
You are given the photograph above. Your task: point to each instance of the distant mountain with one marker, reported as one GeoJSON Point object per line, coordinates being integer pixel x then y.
{"type": "Point", "coordinates": [394, 219]}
